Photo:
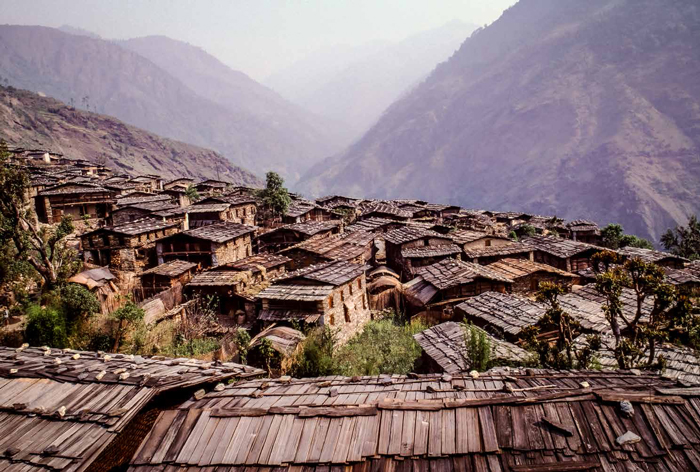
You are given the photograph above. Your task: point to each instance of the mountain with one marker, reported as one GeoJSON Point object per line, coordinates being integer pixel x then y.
{"type": "Point", "coordinates": [210, 78]}
{"type": "Point", "coordinates": [78, 31]}
{"type": "Point", "coordinates": [102, 76]}
{"type": "Point", "coordinates": [355, 85]}
{"type": "Point", "coordinates": [581, 109]}
{"type": "Point", "coordinates": [31, 121]}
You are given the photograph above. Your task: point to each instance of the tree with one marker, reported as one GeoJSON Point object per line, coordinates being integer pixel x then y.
{"type": "Point", "coordinates": [275, 197]}
{"type": "Point", "coordinates": [563, 354]}
{"type": "Point", "coordinates": [46, 326]}
{"type": "Point", "coordinates": [478, 348]}
{"type": "Point", "coordinates": [192, 193]}
{"type": "Point", "coordinates": [268, 353]}
{"type": "Point", "coordinates": [613, 237]}
{"type": "Point", "coordinates": [684, 241]}
{"type": "Point", "coordinates": [77, 302]}
{"type": "Point", "coordinates": [636, 338]}
{"type": "Point", "coordinates": [128, 314]}
{"type": "Point", "coordinates": [243, 344]}
{"type": "Point", "coordinates": [42, 247]}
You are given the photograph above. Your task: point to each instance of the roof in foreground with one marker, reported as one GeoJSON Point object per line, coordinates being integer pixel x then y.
{"type": "Point", "coordinates": [59, 409]}
{"type": "Point", "coordinates": [515, 420]}
{"type": "Point", "coordinates": [446, 345]}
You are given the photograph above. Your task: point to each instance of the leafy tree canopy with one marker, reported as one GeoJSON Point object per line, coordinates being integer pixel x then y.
{"type": "Point", "coordinates": [275, 197]}
{"type": "Point", "coordinates": [684, 241]}
{"type": "Point", "coordinates": [613, 237]}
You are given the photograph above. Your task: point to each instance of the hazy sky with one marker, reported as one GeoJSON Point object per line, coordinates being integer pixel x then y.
{"type": "Point", "coordinates": [255, 36]}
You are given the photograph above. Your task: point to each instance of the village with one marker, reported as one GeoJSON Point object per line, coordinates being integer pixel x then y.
{"type": "Point", "coordinates": [540, 347]}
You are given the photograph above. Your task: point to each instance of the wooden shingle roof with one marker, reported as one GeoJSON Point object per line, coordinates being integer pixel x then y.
{"type": "Point", "coordinates": [532, 421]}
{"type": "Point", "coordinates": [648, 255]}
{"type": "Point", "coordinates": [452, 272]}
{"type": "Point", "coordinates": [308, 228]}
{"type": "Point", "coordinates": [516, 268]}
{"type": "Point", "coordinates": [506, 312]}
{"type": "Point", "coordinates": [171, 269]}
{"type": "Point", "coordinates": [126, 201]}
{"type": "Point", "coordinates": [559, 247]}
{"type": "Point", "coordinates": [217, 278]}
{"type": "Point", "coordinates": [331, 273]}
{"type": "Point", "coordinates": [445, 344]}
{"type": "Point", "coordinates": [306, 293]}
{"type": "Point", "coordinates": [220, 232]}
{"type": "Point", "coordinates": [511, 248]}
{"type": "Point", "coordinates": [73, 188]}
{"type": "Point", "coordinates": [431, 251]}
{"type": "Point", "coordinates": [136, 227]}
{"type": "Point", "coordinates": [408, 234]}
{"type": "Point", "coordinates": [255, 262]}
{"type": "Point", "coordinates": [369, 224]}
{"type": "Point", "coordinates": [60, 409]}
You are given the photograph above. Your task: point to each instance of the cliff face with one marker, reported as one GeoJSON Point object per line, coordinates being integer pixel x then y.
{"type": "Point", "coordinates": [252, 127]}
{"type": "Point", "coordinates": [29, 120]}
{"type": "Point", "coordinates": [584, 109]}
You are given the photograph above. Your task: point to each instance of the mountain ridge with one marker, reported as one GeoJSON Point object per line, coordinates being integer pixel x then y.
{"type": "Point", "coordinates": [31, 121]}
{"type": "Point", "coordinates": [583, 109]}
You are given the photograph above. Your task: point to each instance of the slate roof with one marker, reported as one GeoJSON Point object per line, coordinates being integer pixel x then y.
{"type": "Point", "coordinates": [236, 199]}
{"type": "Point", "coordinates": [386, 209]}
{"type": "Point", "coordinates": [431, 251]}
{"type": "Point", "coordinates": [445, 344]}
{"type": "Point", "coordinates": [369, 224]}
{"type": "Point", "coordinates": [464, 236]}
{"type": "Point", "coordinates": [337, 247]}
{"type": "Point", "coordinates": [307, 293]}
{"type": "Point", "coordinates": [508, 249]}
{"type": "Point", "coordinates": [308, 228]}
{"type": "Point", "coordinates": [299, 208]}
{"type": "Point", "coordinates": [59, 409]}
{"type": "Point", "coordinates": [648, 255]}
{"type": "Point", "coordinates": [694, 268]}
{"type": "Point", "coordinates": [220, 232]}
{"type": "Point", "coordinates": [153, 206]}
{"type": "Point", "coordinates": [507, 312]}
{"type": "Point", "coordinates": [209, 208]}
{"type": "Point", "coordinates": [680, 277]}
{"type": "Point", "coordinates": [253, 263]}
{"type": "Point", "coordinates": [407, 234]}
{"type": "Point", "coordinates": [72, 188]}
{"type": "Point", "coordinates": [516, 268]}
{"type": "Point", "coordinates": [135, 228]}
{"type": "Point", "coordinates": [126, 201]}
{"type": "Point", "coordinates": [526, 421]}
{"type": "Point", "coordinates": [334, 273]}
{"type": "Point", "coordinates": [559, 247]}
{"type": "Point", "coordinates": [452, 272]}
{"type": "Point", "coordinates": [216, 278]}
{"type": "Point", "coordinates": [171, 269]}
{"type": "Point", "coordinates": [682, 363]}
{"type": "Point", "coordinates": [288, 315]}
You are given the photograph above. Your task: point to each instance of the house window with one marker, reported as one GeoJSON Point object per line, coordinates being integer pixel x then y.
{"type": "Point", "coordinates": [342, 295]}
{"type": "Point", "coordinates": [364, 302]}
{"type": "Point", "coordinates": [330, 303]}
{"type": "Point", "coordinates": [331, 320]}
{"type": "Point", "coordinates": [359, 284]}
{"type": "Point", "coordinates": [346, 311]}
{"type": "Point", "coordinates": [350, 288]}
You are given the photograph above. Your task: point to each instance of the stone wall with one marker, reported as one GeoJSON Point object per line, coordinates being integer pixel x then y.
{"type": "Point", "coordinates": [231, 251]}
{"type": "Point", "coordinates": [348, 312]}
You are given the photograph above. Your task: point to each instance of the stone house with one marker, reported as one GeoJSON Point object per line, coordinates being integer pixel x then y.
{"type": "Point", "coordinates": [166, 276]}
{"type": "Point", "coordinates": [564, 254]}
{"type": "Point", "coordinates": [332, 294]}
{"type": "Point", "coordinates": [355, 246]}
{"type": "Point", "coordinates": [664, 259]}
{"type": "Point", "coordinates": [584, 231]}
{"type": "Point", "coordinates": [408, 238]}
{"type": "Point", "coordinates": [137, 211]}
{"type": "Point", "coordinates": [302, 210]}
{"type": "Point", "coordinates": [211, 187]}
{"type": "Point", "coordinates": [527, 275]}
{"type": "Point", "coordinates": [242, 208]}
{"type": "Point", "coordinates": [233, 291]}
{"type": "Point", "coordinates": [289, 235]}
{"type": "Point", "coordinates": [470, 220]}
{"type": "Point", "coordinates": [440, 286]}
{"type": "Point", "coordinates": [182, 183]}
{"type": "Point", "coordinates": [263, 267]}
{"type": "Point", "coordinates": [74, 200]}
{"type": "Point", "coordinates": [384, 210]}
{"type": "Point", "coordinates": [127, 247]}
{"type": "Point", "coordinates": [210, 246]}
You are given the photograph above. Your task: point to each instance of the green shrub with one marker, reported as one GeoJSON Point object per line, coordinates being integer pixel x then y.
{"type": "Point", "coordinates": [478, 348]}
{"type": "Point", "coordinates": [315, 358]}
{"type": "Point", "coordinates": [383, 347]}
{"type": "Point", "coordinates": [45, 327]}
{"type": "Point", "coordinates": [192, 348]}
{"type": "Point", "coordinates": [77, 301]}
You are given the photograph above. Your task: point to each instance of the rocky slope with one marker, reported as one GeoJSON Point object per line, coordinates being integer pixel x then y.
{"type": "Point", "coordinates": [355, 85]}
{"type": "Point", "coordinates": [101, 76]}
{"type": "Point", "coordinates": [29, 120]}
{"type": "Point", "coordinates": [583, 109]}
